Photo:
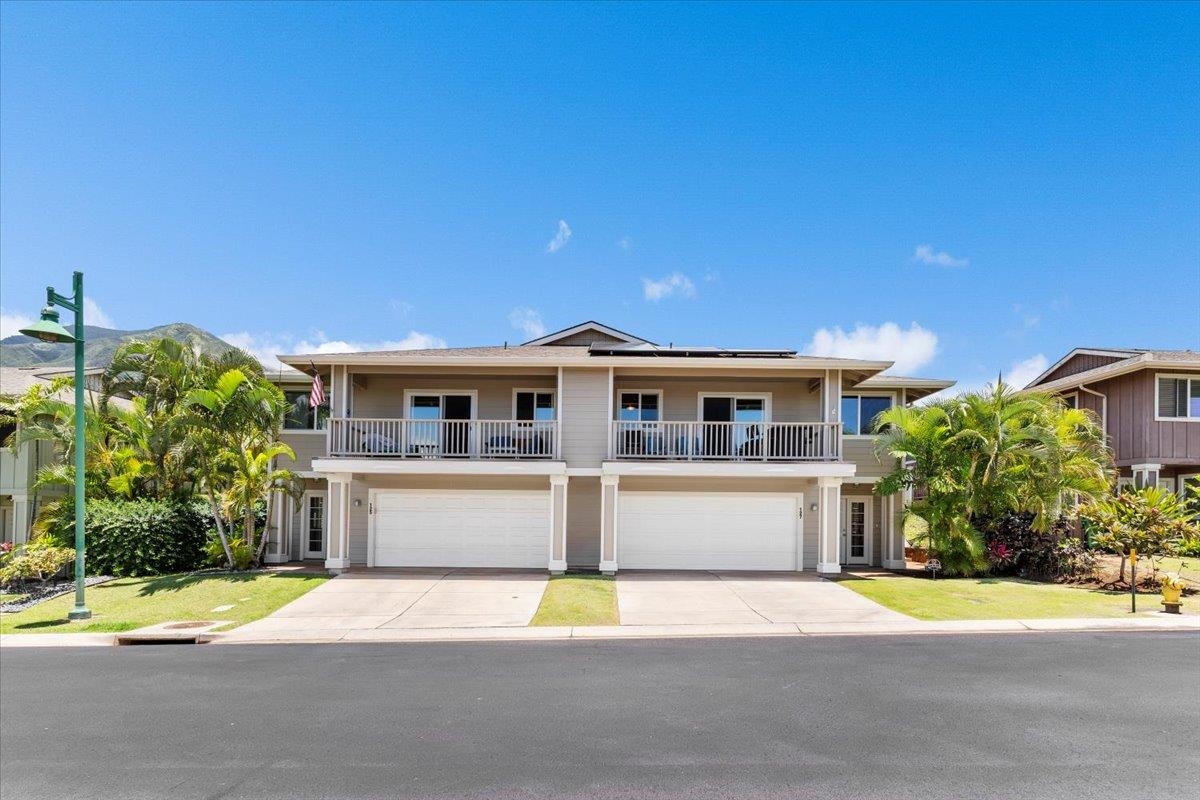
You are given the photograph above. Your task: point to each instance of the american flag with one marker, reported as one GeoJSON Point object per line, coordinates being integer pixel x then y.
{"type": "Point", "coordinates": [317, 396]}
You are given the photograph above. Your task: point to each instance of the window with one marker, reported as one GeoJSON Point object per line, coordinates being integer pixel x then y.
{"type": "Point", "coordinates": [639, 406]}
{"type": "Point", "coordinates": [300, 414]}
{"type": "Point", "coordinates": [859, 412]}
{"type": "Point", "coordinates": [1071, 400]}
{"type": "Point", "coordinates": [534, 406]}
{"type": "Point", "coordinates": [1178, 397]}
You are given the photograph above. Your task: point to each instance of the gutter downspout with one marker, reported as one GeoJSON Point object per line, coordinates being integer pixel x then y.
{"type": "Point", "coordinates": [1103, 406]}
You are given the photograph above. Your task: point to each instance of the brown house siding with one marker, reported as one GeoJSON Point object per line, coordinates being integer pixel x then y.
{"type": "Point", "coordinates": [1135, 436]}
{"type": "Point", "coordinates": [1080, 363]}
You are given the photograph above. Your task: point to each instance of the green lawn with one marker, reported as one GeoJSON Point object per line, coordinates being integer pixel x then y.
{"type": "Point", "coordinates": [129, 603]}
{"type": "Point", "coordinates": [999, 598]}
{"type": "Point", "coordinates": [578, 600]}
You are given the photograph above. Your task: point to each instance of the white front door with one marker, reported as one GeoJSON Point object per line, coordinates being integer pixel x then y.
{"type": "Point", "coordinates": [460, 528]}
{"type": "Point", "coordinates": [312, 525]}
{"type": "Point", "coordinates": [856, 530]}
{"type": "Point", "coordinates": [709, 530]}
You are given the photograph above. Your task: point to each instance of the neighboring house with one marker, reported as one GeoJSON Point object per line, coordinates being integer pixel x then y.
{"type": "Point", "coordinates": [591, 448]}
{"type": "Point", "coordinates": [1148, 402]}
{"type": "Point", "coordinates": [19, 465]}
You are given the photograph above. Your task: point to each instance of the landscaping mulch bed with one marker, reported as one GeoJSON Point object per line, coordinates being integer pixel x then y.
{"type": "Point", "coordinates": [44, 593]}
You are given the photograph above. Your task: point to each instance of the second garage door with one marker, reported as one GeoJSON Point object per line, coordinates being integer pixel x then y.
{"type": "Point", "coordinates": [720, 531]}
{"type": "Point", "coordinates": [461, 529]}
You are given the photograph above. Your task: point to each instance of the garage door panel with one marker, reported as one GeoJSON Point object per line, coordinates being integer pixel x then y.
{"type": "Point", "coordinates": [462, 529]}
{"type": "Point", "coordinates": [660, 530]}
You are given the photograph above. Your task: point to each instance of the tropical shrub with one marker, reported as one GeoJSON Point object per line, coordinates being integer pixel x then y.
{"type": "Point", "coordinates": [129, 538]}
{"type": "Point", "coordinates": [37, 560]}
{"type": "Point", "coordinates": [219, 553]}
{"type": "Point", "coordinates": [1152, 521]}
{"type": "Point", "coordinates": [1016, 547]}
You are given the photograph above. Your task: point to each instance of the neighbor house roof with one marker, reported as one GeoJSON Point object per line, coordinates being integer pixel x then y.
{"type": "Point", "coordinates": [16, 381]}
{"type": "Point", "coordinates": [1127, 360]}
{"type": "Point", "coordinates": [914, 388]}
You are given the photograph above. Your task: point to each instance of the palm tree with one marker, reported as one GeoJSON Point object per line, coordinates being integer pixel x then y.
{"type": "Point", "coordinates": [984, 454]}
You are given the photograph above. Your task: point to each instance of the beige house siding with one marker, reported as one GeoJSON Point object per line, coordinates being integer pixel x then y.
{"type": "Point", "coordinates": [583, 523]}
{"type": "Point", "coordinates": [861, 453]}
{"type": "Point", "coordinates": [584, 407]}
{"type": "Point", "coordinates": [307, 445]}
{"type": "Point", "coordinates": [382, 396]}
{"type": "Point", "coordinates": [791, 400]}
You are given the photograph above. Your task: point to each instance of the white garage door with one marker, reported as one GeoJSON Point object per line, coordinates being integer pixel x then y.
{"type": "Point", "coordinates": [695, 530]}
{"type": "Point", "coordinates": [461, 529]}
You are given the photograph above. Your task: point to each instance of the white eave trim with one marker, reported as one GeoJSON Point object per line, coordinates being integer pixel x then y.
{"type": "Point", "coordinates": [629, 338]}
{"type": "Point", "coordinates": [430, 466]}
{"type": "Point", "coordinates": [1113, 370]}
{"type": "Point", "coordinates": [628, 362]}
{"type": "Point", "coordinates": [728, 469]}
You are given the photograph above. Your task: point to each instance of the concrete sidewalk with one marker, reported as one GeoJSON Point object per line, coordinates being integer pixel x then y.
{"type": "Point", "coordinates": [1149, 622]}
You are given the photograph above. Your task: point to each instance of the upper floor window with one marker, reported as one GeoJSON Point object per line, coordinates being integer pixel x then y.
{"type": "Point", "coordinates": [1178, 397]}
{"type": "Point", "coordinates": [300, 413]}
{"type": "Point", "coordinates": [860, 410]}
{"type": "Point", "coordinates": [534, 406]}
{"type": "Point", "coordinates": [639, 406]}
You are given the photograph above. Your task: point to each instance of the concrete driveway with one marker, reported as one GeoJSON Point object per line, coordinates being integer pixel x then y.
{"type": "Point", "coordinates": [390, 599]}
{"type": "Point", "coordinates": [726, 598]}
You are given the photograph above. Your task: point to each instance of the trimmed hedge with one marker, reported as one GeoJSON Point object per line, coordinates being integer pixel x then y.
{"type": "Point", "coordinates": [130, 538]}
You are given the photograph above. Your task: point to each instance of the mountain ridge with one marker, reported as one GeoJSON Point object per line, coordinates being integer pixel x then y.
{"type": "Point", "coordinates": [102, 343]}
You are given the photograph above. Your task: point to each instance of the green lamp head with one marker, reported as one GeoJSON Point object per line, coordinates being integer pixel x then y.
{"type": "Point", "coordinates": [47, 328]}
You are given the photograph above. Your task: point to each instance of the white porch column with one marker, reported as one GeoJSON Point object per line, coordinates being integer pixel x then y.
{"type": "Point", "coordinates": [608, 524]}
{"type": "Point", "coordinates": [829, 539]}
{"type": "Point", "coordinates": [21, 518]}
{"type": "Point", "coordinates": [831, 406]}
{"type": "Point", "coordinates": [337, 548]}
{"type": "Point", "coordinates": [558, 524]}
{"type": "Point", "coordinates": [893, 532]}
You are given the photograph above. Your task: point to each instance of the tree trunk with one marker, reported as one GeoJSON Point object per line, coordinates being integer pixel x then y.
{"type": "Point", "coordinates": [1121, 575]}
{"type": "Point", "coordinates": [216, 515]}
{"type": "Point", "coordinates": [262, 543]}
{"type": "Point", "coordinates": [248, 521]}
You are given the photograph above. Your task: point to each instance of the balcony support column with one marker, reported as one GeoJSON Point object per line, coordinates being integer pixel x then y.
{"type": "Point", "coordinates": [829, 540]}
{"type": "Point", "coordinates": [558, 524]}
{"type": "Point", "coordinates": [337, 546]}
{"type": "Point", "coordinates": [609, 529]}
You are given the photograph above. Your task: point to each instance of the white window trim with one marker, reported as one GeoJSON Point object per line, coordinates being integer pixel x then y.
{"type": "Point", "coordinates": [860, 395]}
{"type": "Point", "coordinates": [1074, 396]}
{"type": "Point", "coordinates": [1176, 375]}
{"type": "Point", "coordinates": [764, 396]}
{"type": "Point", "coordinates": [535, 390]}
{"type": "Point", "coordinates": [411, 393]}
{"type": "Point", "coordinates": [1183, 483]}
{"type": "Point", "coordinates": [616, 409]}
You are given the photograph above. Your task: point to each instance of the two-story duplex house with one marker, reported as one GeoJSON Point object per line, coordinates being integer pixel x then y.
{"type": "Point", "coordinates": [591, 448]}
{"type": "Point", "coordinates": [1148, 402]}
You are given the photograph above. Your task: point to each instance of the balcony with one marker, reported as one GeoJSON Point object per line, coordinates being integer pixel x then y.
{"type": "Point", "coordinates": [726, 441]}
{"type": "Point", "coordinates": [358, 437]}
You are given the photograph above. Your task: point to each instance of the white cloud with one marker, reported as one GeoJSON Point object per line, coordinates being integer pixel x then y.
{"type": "Point", "coordinates": [11, 324]}
{"type": "Point", "coordinates": [265, 347]}
{"type": "Point", "coordinates": [674, 284]}
{"type": "Point", "coordinates": [1022, 372]}
{"type": "Point", "coordinates": [561, 237]}
{"type": "Point", "coordinates": [625, 243]}
{"type": "Point", "coordinates": [400, 308]}
{"type": "Point", "coordinates": [94, 315]}
{"type": "Point", "coordinates": [527, 321]}
{"type": "Point", "coordinates": [911, 349]}
{"type": "Point", "coordinates": [924, 254]}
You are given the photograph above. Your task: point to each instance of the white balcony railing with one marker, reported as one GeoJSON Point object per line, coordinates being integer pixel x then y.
{"type": "Point", "coordinates": [443, 438]}
{"type": "Point", "coordinates": [726, 441]}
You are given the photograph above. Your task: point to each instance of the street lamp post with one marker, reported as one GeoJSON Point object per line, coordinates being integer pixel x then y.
{"type": "Point", "coordinates": [48, 329]}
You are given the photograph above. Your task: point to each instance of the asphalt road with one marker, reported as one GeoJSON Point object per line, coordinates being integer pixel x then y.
{"type": "Point", "coordinates": [1017, 716]}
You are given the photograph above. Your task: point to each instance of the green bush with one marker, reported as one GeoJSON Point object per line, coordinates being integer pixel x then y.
{"type": "Point", "coordinates": [129, 538]}
{"type": "Point", "coordinates": [39, 560]}
{"type": "Point", "coordinates": [215, 553]}
{"type": "Point", "coordinates": [1189, 548]}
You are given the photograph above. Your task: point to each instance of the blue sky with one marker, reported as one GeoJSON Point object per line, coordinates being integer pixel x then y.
{"type": "Point", "coordinates": [966, 189]}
